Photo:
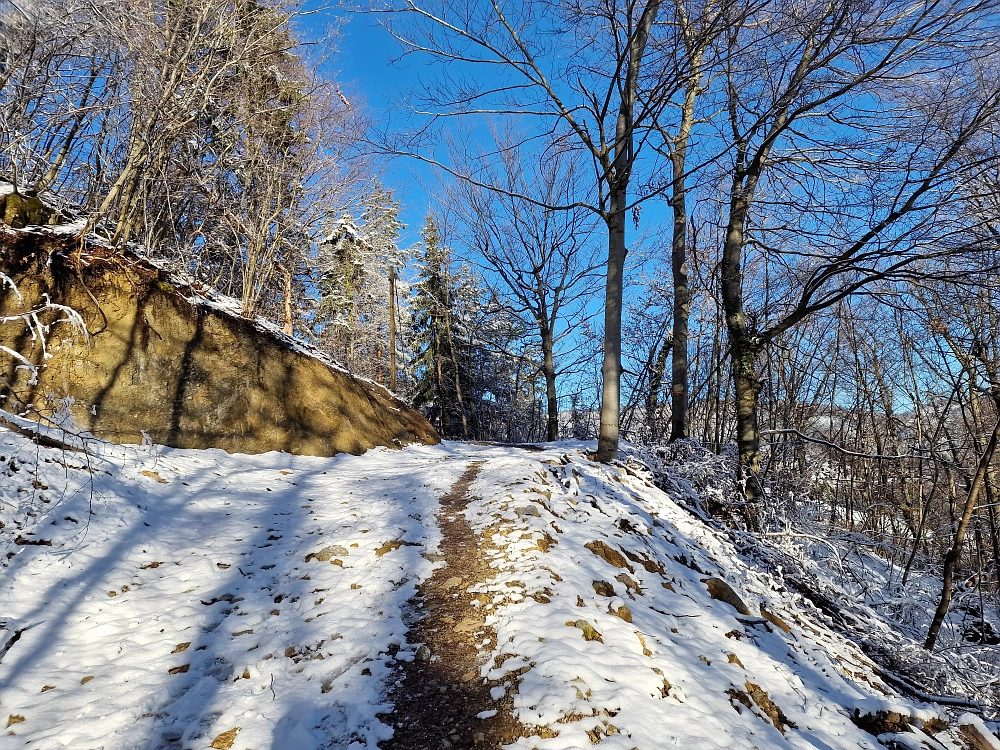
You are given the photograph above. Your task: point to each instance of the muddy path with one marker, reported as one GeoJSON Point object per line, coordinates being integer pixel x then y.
{"type": "Point", "coordinates": [440, 696]}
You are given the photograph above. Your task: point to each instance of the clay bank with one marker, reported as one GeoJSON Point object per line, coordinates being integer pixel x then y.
{"type": "Point", "coordinates": [163, 360]}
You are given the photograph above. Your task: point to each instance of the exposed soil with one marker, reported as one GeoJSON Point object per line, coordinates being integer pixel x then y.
{"type": "Point", "coordinates": [166, 362]}
{"type": "Point", "coordinates": [437, 697]}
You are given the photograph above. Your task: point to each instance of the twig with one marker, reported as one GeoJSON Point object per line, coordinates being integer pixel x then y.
{"type": "Point", "coordinates": [836, 447]}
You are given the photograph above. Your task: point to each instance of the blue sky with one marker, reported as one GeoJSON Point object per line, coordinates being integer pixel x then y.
{"type": "Point", "coordinates": [363, 66]}
{"type": "Point", "coordinates": [365, 72]}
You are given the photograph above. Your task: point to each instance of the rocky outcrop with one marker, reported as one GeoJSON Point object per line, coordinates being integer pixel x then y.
{"type": "Point", "coordinates": [163, 360]}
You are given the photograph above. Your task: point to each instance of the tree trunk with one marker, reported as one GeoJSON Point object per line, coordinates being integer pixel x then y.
{"type": "Point", "coordinates": [392, 329]}
{"type": "Point", "coordinates": [747, 385]}
{"type": "Point", "coordinates": [952, 558]}
{"type": "Point", "coordinates": [682, 310]}
{"type": "Point", "coordinates": [678, 254]}
{"type": "Point", "coordinates": [618, 179]}
{"type": "Point", "coordinates": [289, 327]}
{"type": "Point", "coordinates": [458, 384]}
{"type": "Point", "coordinates": [655, 383]}
{"type": "Point", "coordinates": [744, 350]}
{"type": "Point", "coordinates": [611, 370]}
{"type": "Point", "coordinates": [549, 371]}
{"type": "Point", "coordinates": [440, 376]}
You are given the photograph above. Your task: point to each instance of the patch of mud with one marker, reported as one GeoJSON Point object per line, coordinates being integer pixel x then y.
{"type": "Point", "coordinates": [440, 696]}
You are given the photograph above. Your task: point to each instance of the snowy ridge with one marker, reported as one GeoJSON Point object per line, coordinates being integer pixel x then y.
{"type": "Point", "coordinates": [575, 541]}
{"type": "Point", "coordinates": [199, 293]}
{"type": "Point", "coordinates": [193, 290]}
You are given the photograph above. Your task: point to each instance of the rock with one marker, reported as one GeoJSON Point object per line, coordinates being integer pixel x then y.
{"type": "Point", "coordinates": [609, 554]}
{"type": "Point", "coordinates": [423, 653]}
{"type": "Point", "coordinates": [629, 583]}
{"type": "Point", "coordinates": [325, 554]}
{"type": "Point", "coordinates": [527, 510]}
{"type": "Point", "coordinates": [651, 566]}
{"type": "Point", "coordinates": [14, 719]}
{"type": "Point", "coordinates": [19, 211]}
{"type": "Point", "coordinates": [589, 633]}
{"type": "Point", "coordinates": [620, 608]}
{"type": "Point", "coordinates": [769, 707]}
{"type": "Point", "coordinates": [603, 588]}
{"type": "Point", "coordinates": [719, 589]}
{"type": "Point", "coordinates": [976, 734]}
{"type": "Point", "coordinates": [393, 545]}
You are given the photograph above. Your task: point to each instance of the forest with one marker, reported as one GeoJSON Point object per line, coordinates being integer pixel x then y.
{"type": "Point", "coordinates": [762, 230]}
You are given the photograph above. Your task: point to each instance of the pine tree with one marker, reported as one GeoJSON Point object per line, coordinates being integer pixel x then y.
{"type": "Point", "coordinates": [433, 365]}
{"type": "Point", "coordinates": [355, 262]}
{"type": "Point", "coordinates": [473, 376]}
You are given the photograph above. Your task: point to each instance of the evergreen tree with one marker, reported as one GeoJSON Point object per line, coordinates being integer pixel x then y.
{"type": "Point", "coordinates": [473, 376]}
{"type": "Point", "coordinates": [355, 261]}
{"type": "Point", "coordinates": [436, 368]}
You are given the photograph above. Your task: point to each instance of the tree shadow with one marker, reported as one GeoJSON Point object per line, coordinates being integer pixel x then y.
{"type": "Point", "coordinates": [252, 619]}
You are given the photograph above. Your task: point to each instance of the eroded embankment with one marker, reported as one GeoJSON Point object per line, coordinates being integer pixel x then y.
{"type": "Point", "coordinates": [165, 362]}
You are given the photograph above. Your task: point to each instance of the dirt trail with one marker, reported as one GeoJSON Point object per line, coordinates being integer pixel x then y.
{"type": "Point", "coordinates": [439, 694]}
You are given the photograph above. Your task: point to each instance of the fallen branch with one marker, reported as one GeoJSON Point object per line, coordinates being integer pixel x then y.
{"type": "Point", "coordinates": [943, 700]}
{"type": "Point", "coordinates": [37, 437]}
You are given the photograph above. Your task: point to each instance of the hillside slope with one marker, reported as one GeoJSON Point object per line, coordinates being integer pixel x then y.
{"type": "Point", "coordinates": [169, 598]}
{"type": "Point", "coordinates": [166, 359]}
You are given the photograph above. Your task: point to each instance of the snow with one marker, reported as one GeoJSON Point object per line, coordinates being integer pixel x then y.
{"type": "Point", "coordinates": [971, 720]}
{"type": "Point", "coordinates": [152, 548]}
{"type": "Point", "coordinates": [155, 548]}
{"type": "Point", "coordinates": [875, 706]}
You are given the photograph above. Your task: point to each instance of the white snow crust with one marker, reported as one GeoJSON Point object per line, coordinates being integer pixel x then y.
{"type": "Point", "coordinates": [152, 548]}
{"type": "Point", "coordinates": [209, 549]}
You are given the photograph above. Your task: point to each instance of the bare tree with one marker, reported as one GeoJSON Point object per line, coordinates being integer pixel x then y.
{"type": "Point", "coordinates": [588, 78]}
{"type": "Point", "coordinates": [965, 316]}
{"type": "Point", "coordinates": [540, 261]}
{"type": "Point", "coordinates": [820, 99]}
{"type": "Point", "coordinates": [61, 73]}
{"type": "Point", "coordinates": [699, 26]}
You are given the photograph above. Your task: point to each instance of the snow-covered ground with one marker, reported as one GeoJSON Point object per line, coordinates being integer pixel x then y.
{"type": "Point", "coordinates": [677, 667]}
{"type": "Point", "coordinates": [175, 602]}
{"type": "Point", "coordinates": [176, 605]}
